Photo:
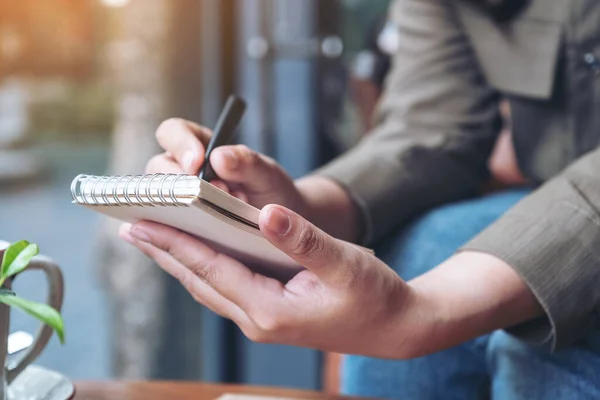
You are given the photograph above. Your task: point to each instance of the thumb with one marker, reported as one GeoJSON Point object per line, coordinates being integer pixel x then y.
{"type": "Point", "coordinates": [331, 260]}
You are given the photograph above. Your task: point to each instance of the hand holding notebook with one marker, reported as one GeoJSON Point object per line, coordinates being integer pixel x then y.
{"type": "Point", "coordinates": [191, 204]}
{"type": "Point", "coordinates": [325, 283]}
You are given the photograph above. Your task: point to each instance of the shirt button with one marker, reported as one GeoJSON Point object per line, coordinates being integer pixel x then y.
{"type": "Point", "coordinates": [592, 62]}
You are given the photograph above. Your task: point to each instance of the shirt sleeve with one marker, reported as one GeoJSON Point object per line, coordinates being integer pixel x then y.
{"type": "Point", "coordinates": [436, 123]}
{"type": "Point", "coordinates": [552, 239]}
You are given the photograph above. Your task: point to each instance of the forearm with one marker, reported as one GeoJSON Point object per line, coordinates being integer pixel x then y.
{"type": "Point", "coordinates": [467, 296]}
{"type": "Point", "coordinates": [327, 205]}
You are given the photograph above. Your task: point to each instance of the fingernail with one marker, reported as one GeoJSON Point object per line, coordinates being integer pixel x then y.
{"type": "Point", "coordinates": [278, 222]}
{"type": "Point", "coordinates": [139, 234]}
{"type": "Point", "coordinates": [188, 160]}
{"type": "Point", "coordinates": [127, 237]}
{"type": "Point", "coordinates": [231, 159]}
{"type": "Point", "coordinates": [124, 233]}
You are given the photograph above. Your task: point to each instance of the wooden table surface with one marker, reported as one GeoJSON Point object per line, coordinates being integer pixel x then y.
{"type": "Point", "coordinates": [181, 390]}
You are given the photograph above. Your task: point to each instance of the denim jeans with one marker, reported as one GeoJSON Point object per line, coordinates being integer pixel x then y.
{"type": "Point", "coordinates": [496, 366]}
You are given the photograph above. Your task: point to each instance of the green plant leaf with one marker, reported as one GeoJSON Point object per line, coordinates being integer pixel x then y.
{"type": "Point", "coordinates": [16, 258]}
{"type": "Point", "coordinates": [42, 312]}
{"type": "Point", "coordinates": [11, 252]}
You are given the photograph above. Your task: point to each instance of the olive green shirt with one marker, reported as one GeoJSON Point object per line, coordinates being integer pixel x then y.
{"type": "Point", "coordinates": [437, 124]}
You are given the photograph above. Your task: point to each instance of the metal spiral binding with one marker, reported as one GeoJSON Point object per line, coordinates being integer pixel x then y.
{"type": "Point", "coordinates": [142, 190]}
{"type": "Point", "coordinates": [160, 185]}
{"type": "Point", "coordinates": [125, 193]}
{"type": "Point", "coordinates": [136, 193]}
{"type": "Point", "coordinates": [74, 187]}
{"type": "Point", "coordinates": [94, 179]}
{"type": "Point", "coordinates": [114, 189]}
{"type": "Point", "coordinates": [172, 189]}
{"type": "Point", "coordinates": [103, 193]}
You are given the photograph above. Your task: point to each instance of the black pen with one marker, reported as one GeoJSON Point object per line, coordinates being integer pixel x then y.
{"type": "Point", "coordinates": [223, 133]}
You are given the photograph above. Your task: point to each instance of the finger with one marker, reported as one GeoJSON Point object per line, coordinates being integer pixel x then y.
{"type": "Point", "coordinates": [199, 290]}
{"type": "Point", "coordinates": [186, 141]}
{"type": "Point", "coordinates": [164, 164]}
{"type": "Point", "coordinates": [240, 195]}
{"type": "Point", "coordinates": [239, 164]}
{"type": "Point", "coordinates": [332, 261]}
{"type": "Point", "coordinates": [231, 279]}
{"type": "Point", "coordinates": [221, 185]}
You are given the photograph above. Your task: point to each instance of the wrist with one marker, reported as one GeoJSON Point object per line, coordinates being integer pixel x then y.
{"type": "Point", "coordinates": [327, 205]}
{"type": "Point", "coordinates": [469, 295]}
{"type": "Point", "coordinates": [414, 326]}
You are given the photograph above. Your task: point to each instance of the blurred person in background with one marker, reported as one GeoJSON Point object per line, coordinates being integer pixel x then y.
{"type": "Point", "coordinates": [367, 81]}
{"type": "Point", "coordinates": [488, 294]}
{"type": "Point", "coordinates": [368, 72]}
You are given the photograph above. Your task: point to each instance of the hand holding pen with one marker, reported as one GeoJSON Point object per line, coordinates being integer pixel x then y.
{"type": "Point", "coordinates": [252, 177]}
{"type": "Point", "coordinates": [223, 133]}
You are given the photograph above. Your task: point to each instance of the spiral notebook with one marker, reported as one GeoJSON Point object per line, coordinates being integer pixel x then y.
{"type": "Point", "coordinates": [192, 205]}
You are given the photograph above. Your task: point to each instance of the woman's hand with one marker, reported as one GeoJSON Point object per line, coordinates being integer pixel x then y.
{"type": "Point", "coordinates": [345, 301]}
{"type": "Point", "coordinates": [250, 176]}
{"type": "Point", "coordinates": [255, 178]}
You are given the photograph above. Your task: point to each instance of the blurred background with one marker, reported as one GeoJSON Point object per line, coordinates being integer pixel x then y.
{"type": "Point", "coordinates": [83, 86]}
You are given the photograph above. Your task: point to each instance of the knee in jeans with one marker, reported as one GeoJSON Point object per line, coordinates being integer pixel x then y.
{"type": "Point", "coordinates": [505, 349]}
{"type": "Point", "coordinates": [364, 373]}
{"type": "Point", "coordinates": [436, 235]}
